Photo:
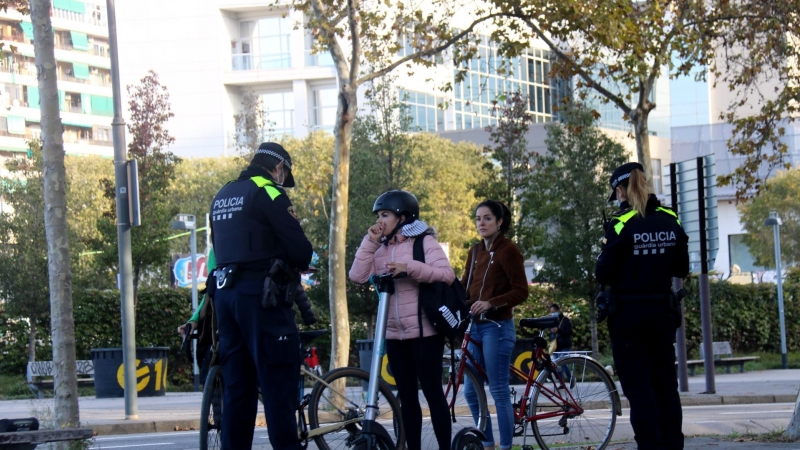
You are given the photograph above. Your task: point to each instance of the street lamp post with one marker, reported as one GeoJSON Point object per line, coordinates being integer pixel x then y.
{"type": "Point", "coordinates": [187, 222]}
{"type": "Point", "coordinates": [775, 221]}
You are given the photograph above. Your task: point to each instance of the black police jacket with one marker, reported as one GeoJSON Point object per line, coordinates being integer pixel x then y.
{"type": "Point", "coordinates": [641, 255]}
{"type": "Point", "coordinates": [253, 221]}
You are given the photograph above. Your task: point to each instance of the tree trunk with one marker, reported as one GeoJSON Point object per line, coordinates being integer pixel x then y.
{"type": "Point", "coordinates": [337, 276]}
{"type": "Point", "coordinates": [55, 219]}
{"type": "Point", "coordinates": [32, 340]}
{"type": "Point", "coordinates": [642, 133]}
{"type": "Point", "coordinates": [793, 429]}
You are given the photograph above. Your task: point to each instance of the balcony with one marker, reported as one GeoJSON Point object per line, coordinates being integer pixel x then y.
{"type": "Point", "coordinates": [70, 138]}
{"type": "Point", "coordinates": [321, 59]}
{"type": "Point", "coordinates": [89, 19]}
{"type": "Point", "coordinates": [249, 61]}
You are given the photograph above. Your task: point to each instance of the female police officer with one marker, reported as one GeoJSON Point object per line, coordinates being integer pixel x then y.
{"type": "Point", "coordinates": [644, 247]}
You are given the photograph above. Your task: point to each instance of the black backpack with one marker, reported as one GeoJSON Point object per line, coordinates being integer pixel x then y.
{"type": "Point", "coordinates": [445, 305]}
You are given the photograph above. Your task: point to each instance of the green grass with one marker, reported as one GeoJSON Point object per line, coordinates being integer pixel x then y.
{"type": "Point", "coordinates": [15, 387]}
{"type": "Point", "coordinates": [770, 436]}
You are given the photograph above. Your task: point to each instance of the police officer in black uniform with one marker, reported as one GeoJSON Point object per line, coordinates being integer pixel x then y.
{"type": "Point", "coordinates": [643, 249]}
{"type": "Point", "coordinates": [254, 225]}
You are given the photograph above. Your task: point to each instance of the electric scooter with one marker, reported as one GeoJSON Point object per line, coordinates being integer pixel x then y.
{"type": "Point", "coordinates": [373, 435]}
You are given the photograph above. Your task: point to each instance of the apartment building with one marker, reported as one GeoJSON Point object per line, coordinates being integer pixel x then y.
{"type": "Point", "coordinates": [210, 52]}
{"type": "Point", "coordinates": [84, 79]}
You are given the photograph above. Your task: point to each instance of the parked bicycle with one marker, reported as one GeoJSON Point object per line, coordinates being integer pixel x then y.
{"type": "Point", "coordinates": [336, 405]}
{"type": "Point", "coordinates": [562, 410]}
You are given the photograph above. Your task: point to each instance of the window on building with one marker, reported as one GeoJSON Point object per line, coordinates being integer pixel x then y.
{"type": "Point", "coordinates": [489, 76]}
{"type": "Point", "coordinates": [279, 108]}
{"type": "Point", "coordinates": [658, 183]}
{"type": "Point", "coordinates": [424, 111]}
{"type": "Point", "coordinates": [263, 44]}
{"type": "Point", "coordinates": [324, 103]}
{"type": "Point", "coordinates": [740, 255]}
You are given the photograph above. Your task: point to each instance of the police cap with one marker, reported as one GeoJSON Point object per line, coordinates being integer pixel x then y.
{"type": "Point", "coordinates": [278, 152]}
{"type": "Point", "coordinates": [620, 175]}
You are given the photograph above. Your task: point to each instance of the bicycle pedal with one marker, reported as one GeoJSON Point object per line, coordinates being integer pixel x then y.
{"type": "Point", "coordinates": [527, 447]}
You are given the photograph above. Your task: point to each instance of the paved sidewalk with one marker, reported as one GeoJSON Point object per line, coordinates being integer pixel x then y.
{"type": "Point", "coordinates": [180, 411]}
{"type": "Point", "coordinates": [707, 443]}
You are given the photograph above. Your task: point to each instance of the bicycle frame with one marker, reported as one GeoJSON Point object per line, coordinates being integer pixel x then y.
{"type": "Point", "coordinates": [530, 378]}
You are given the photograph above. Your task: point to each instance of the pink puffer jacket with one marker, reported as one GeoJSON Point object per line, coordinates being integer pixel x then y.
{"type": "Point", "coordinates": [372, 258]}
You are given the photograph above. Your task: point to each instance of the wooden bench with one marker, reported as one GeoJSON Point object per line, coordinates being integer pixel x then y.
{"type": "Point", "coordinates": [720, 349]}
{"type": "Point", "coordinates": [24, 434]}
{"type": "Point", "coordinates": [40, 375]}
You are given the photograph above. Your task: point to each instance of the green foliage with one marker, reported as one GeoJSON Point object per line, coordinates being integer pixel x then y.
{"type": "Point", "coordinates": [741, 45]}
{"type": "Point", "coordinates": [24, 283]}
{"type": "Point", "coordinates": [192, 189]}
{"type": "Point", "coordinates": [563, 205]}
{"type": "Point", "coordinates": [150, 110]}
{"type": "Point", "coordinates": [781, 195]}
{"type": "Point", "coordinates": [745, 315]}
{"type": "Point", "coordinates": [13, 343]}
{"type": "Point", "coordinates": [510, 146]}
{"type": "Point", "coordinates": [97, 314]}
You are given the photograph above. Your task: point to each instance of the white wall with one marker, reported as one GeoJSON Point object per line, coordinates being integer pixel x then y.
{"type": "Point", "coordinates": [184, 42]}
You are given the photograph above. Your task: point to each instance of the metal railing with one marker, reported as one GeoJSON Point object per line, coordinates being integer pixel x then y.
{"type": "Point", "coordinates": [250, 61]}
{"type": "Point", "coordinates": [320, 59]}
{"type": "Point", "coordinates": [91, 19]}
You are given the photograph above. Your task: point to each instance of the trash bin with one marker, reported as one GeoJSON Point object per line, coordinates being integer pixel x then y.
{"type": "Point", "coordinates": [365, 361]}
{"type": "Point", "coordinates": [521, 358]}
{"type": "Point", "coordinates": [151, 372]}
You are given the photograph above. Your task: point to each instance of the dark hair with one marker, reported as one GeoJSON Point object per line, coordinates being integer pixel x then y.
{"type": "Point", "coordinates": [555, 306]}
{"type": "Point", "coordinates": [499, 211]}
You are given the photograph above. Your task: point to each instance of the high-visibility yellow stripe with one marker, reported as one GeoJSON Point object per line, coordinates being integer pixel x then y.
{"type": "Point", "coordinates": [670, 212]}
{"type": "Point", "coordinates": [622, 219]}
{"type": "Point", "coordinates": [268, 186]}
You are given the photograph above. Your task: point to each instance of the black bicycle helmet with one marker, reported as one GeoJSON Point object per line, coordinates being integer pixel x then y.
{"type": "Point", "coordinates": [400, 202]}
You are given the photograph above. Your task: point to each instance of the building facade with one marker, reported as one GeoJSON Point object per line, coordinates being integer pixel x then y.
{"type": "Point", "coordinates": [84, 79]}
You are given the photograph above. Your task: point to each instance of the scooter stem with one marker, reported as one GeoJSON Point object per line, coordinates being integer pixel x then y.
{"type": "Point", "coordinates": [385, 286]}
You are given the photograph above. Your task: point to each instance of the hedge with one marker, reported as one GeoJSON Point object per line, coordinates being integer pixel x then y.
{"type": "Point", "coordinates": [744, 315]}
{"type": "Point", "coordinates": [97, 315]}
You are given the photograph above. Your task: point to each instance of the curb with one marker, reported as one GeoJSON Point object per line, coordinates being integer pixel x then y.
{"type": "Point", "coordinates": [163, 426]}
{"type": "Point", "coordinates": [153, 426]}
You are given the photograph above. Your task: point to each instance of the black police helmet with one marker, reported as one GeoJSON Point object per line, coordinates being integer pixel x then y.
{"type": "Point", "coordinates": [400, 202]}
{"type": "Point", "coordinates": [620, 177]}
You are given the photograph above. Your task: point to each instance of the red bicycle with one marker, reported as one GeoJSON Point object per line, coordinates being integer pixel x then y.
{"type": "Point", "coordinates": [570, 400]}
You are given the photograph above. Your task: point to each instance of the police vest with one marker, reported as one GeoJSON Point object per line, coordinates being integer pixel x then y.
{"type": "Point", "coordinates": [654, 247]}
{"type": "Point", "coordinates": [239, 237]}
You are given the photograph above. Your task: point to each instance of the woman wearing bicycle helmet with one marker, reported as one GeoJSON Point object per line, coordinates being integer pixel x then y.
{"type": "Point", "coordinates": [495, 281]}
{"type": "Point", "coordinates": [414, 354]}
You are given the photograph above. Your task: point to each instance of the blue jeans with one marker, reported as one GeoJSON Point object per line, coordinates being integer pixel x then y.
{"type": "Point", "coordinates": [498, 343]}
{"type": "Point", "coordinates": [565, 373]}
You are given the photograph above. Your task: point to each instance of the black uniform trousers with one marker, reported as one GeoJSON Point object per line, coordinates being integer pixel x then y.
{"type": "Point", "coordinates": [253, 355]}
{"type": "Point", "coordinates": [642, 338]}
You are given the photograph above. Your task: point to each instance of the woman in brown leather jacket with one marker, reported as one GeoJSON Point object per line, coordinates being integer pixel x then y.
{"type": "Point", "coordinates": [496, 282]}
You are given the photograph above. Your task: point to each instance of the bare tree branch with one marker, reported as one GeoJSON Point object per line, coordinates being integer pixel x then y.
{"type": "Point", "coordinates": [422, 54]}
{"type": "Point", "coordinates": [616, 99]}
{"type": "Point", "coordinates": [352, 7]}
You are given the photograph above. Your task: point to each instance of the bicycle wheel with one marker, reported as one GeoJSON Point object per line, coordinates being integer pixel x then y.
{"type": "Point", "coordinates": [592, 390]}
{"type": "Point", "coordinates": [211, 410]}
{"type": "Point", "coordinates": [342, 396]}
{"type": "Point", "coordinates": [463, 415]}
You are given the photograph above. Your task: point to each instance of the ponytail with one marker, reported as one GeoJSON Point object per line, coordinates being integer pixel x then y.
{"type": "Point", "coordinates": [637, 191]}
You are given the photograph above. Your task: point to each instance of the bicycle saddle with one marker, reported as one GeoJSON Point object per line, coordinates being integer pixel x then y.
{"type": "Point", "coordinates": [540, 322]}
{"type": "Point", "coordinates": [308, 336]}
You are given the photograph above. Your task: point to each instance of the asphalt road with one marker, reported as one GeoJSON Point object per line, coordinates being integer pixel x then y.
{"type": "Point", "coordinates": [698, 420]}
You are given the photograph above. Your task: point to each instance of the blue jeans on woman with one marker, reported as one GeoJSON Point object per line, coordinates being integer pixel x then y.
{"type": "Point", "coordinates": [498, 339]}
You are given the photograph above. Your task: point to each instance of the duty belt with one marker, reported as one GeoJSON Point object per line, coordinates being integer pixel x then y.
{"type": "Point", "coordinates": [226, 275]}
